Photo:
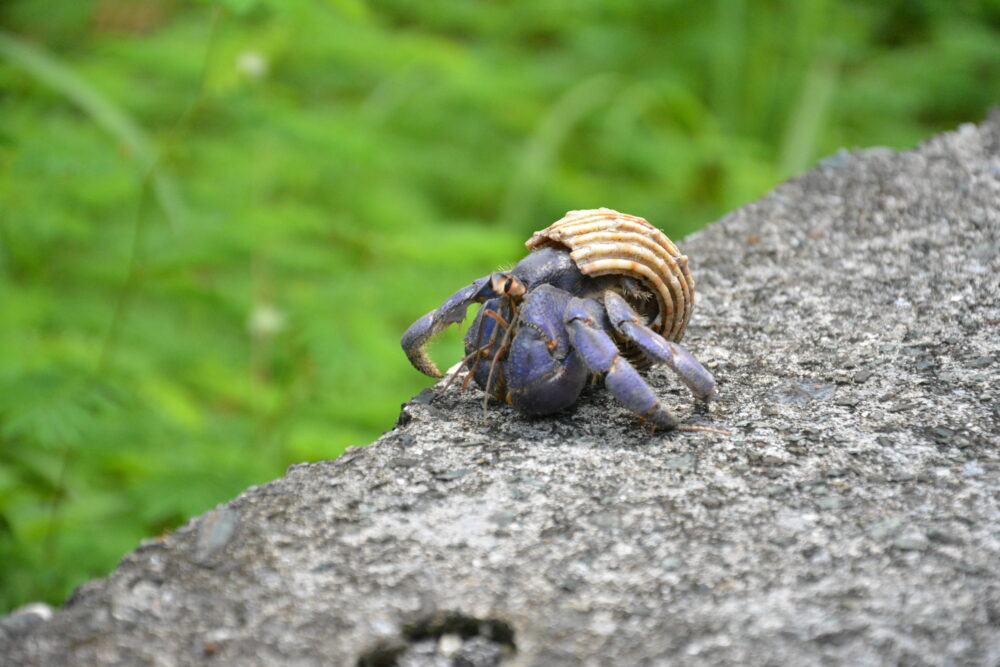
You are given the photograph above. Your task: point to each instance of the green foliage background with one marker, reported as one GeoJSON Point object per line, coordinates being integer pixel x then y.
{"type": "Point", "coordinates": [216, 218]}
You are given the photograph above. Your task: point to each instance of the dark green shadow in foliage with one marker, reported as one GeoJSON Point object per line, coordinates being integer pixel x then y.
{"type": "Point", "coordinates": [216, 219]}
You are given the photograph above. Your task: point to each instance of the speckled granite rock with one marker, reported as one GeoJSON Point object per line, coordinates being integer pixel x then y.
{"type": "Point", "coordinates": [853, 516]}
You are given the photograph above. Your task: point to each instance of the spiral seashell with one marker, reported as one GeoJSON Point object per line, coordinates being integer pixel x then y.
{"type": "Point", "coordinates": [605, 242]}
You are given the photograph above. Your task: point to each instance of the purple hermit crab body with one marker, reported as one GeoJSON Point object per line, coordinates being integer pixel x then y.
{"type": "Point", "coordinates": [601, 293]}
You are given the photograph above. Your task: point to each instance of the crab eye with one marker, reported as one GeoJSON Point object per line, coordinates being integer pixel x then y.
{"type": "Point", "coordinates": [508, 285]}
{"type": "Point", "coordinates": [514, 287]}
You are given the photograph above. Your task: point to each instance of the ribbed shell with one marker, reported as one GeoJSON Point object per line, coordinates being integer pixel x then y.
{"type": "Point", "coordinates": [605, 242]}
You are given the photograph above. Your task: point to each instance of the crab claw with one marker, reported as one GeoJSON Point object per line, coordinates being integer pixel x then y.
{"type": "Point", "coordinates": [451, 311]}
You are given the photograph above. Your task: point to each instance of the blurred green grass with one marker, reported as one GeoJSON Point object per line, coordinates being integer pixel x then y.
{"type": "Point", "coordinates": [216, 218]}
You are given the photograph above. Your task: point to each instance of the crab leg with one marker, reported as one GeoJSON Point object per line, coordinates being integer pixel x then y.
{"type": "Point", "coordinates": [477, 350]}
{"type": "Point", "coordinates": [601, 355]}
{"type": "Point", "coordinates": [508, 334]}
{"type": "Point", "coordinates": [475, 353]}
{"type": "Point", "coordinates": [497, 317]}
{"type": "Point", "coordinates": [626, 322]}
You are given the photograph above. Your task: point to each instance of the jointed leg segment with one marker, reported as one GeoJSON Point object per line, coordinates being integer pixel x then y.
{"type": "Point", "coordinates": [626, 322]}
{"type": "Point", "coordinates": [601, 355]}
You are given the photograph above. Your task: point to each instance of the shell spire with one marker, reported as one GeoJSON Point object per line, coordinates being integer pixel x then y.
{"type": "Point", "coordinates": [605, 242]}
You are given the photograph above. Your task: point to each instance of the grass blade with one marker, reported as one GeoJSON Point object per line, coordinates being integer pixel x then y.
{"type": "Point", "coordinates": [133, 139]}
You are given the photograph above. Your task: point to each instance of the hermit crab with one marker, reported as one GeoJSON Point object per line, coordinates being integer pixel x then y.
{"type": "Point", "coordinates": [600, 294]}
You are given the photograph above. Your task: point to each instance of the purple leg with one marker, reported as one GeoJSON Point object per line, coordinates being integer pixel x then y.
{"type": "Point", "coordinates": [583, 320]}
{"type": "Point", "coordinates": [625, 320]}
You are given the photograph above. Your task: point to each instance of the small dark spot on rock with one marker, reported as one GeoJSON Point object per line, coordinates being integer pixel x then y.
{"type": "Point", "coordinates": [943, 537]}
{"type": "Point", "coordinates": [425, 397]}
{"type": "Point", "coordinates": [837, 637]}
{"type": "Point", "coordinates": [404, 417]}
{"type": "Point", "coordinates": [404, 440]}
{"type": "Point", "coordinates": [477, 642]}
{"type": "Point", "coordinates": [711, 502]}
{"type": "Point", "coordinates": [350, 455]}
{"type": "Point", "coordinates": [385, 654]}
{"type": "Point", "coordinates": [993, 614]}
{"type": "Point", "coordinates": [962, 441]}
{"type": "Point", "coordinates": [452, 474]}
{"type": "Point", "coordinates": [863, 376]}
{"type": "Point", "coordinates": [570, 584]}
{"type": "Point", "coordinates": [767, 460]}
{"type": "Point", "coordinates": [942, 433]}
{"type": "Point", "coordinates": [973, 570]}
{"type": "Point", "coordinates": [811, 485]}
{"type": "Point", "coordinates": [323, 567]}
{"type": "Point", "coordinates": [558, 530]}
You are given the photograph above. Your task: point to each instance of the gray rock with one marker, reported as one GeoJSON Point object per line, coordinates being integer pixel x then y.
{"type": "Point", "coordinates": [914, 542]}
{"type": "Point", "coordinates": [464, 537]}
{"type": "Point", "coordinates": [24, 618]}
{"type": "Point", "coordinates": [216, 529]}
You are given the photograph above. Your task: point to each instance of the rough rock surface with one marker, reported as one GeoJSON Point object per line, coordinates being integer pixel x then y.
{"type": "Point", "coordinates": [852, 318]}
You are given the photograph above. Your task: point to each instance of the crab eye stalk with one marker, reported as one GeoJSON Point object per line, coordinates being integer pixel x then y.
{"type": "Point", "coordinates": [507, 285]}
